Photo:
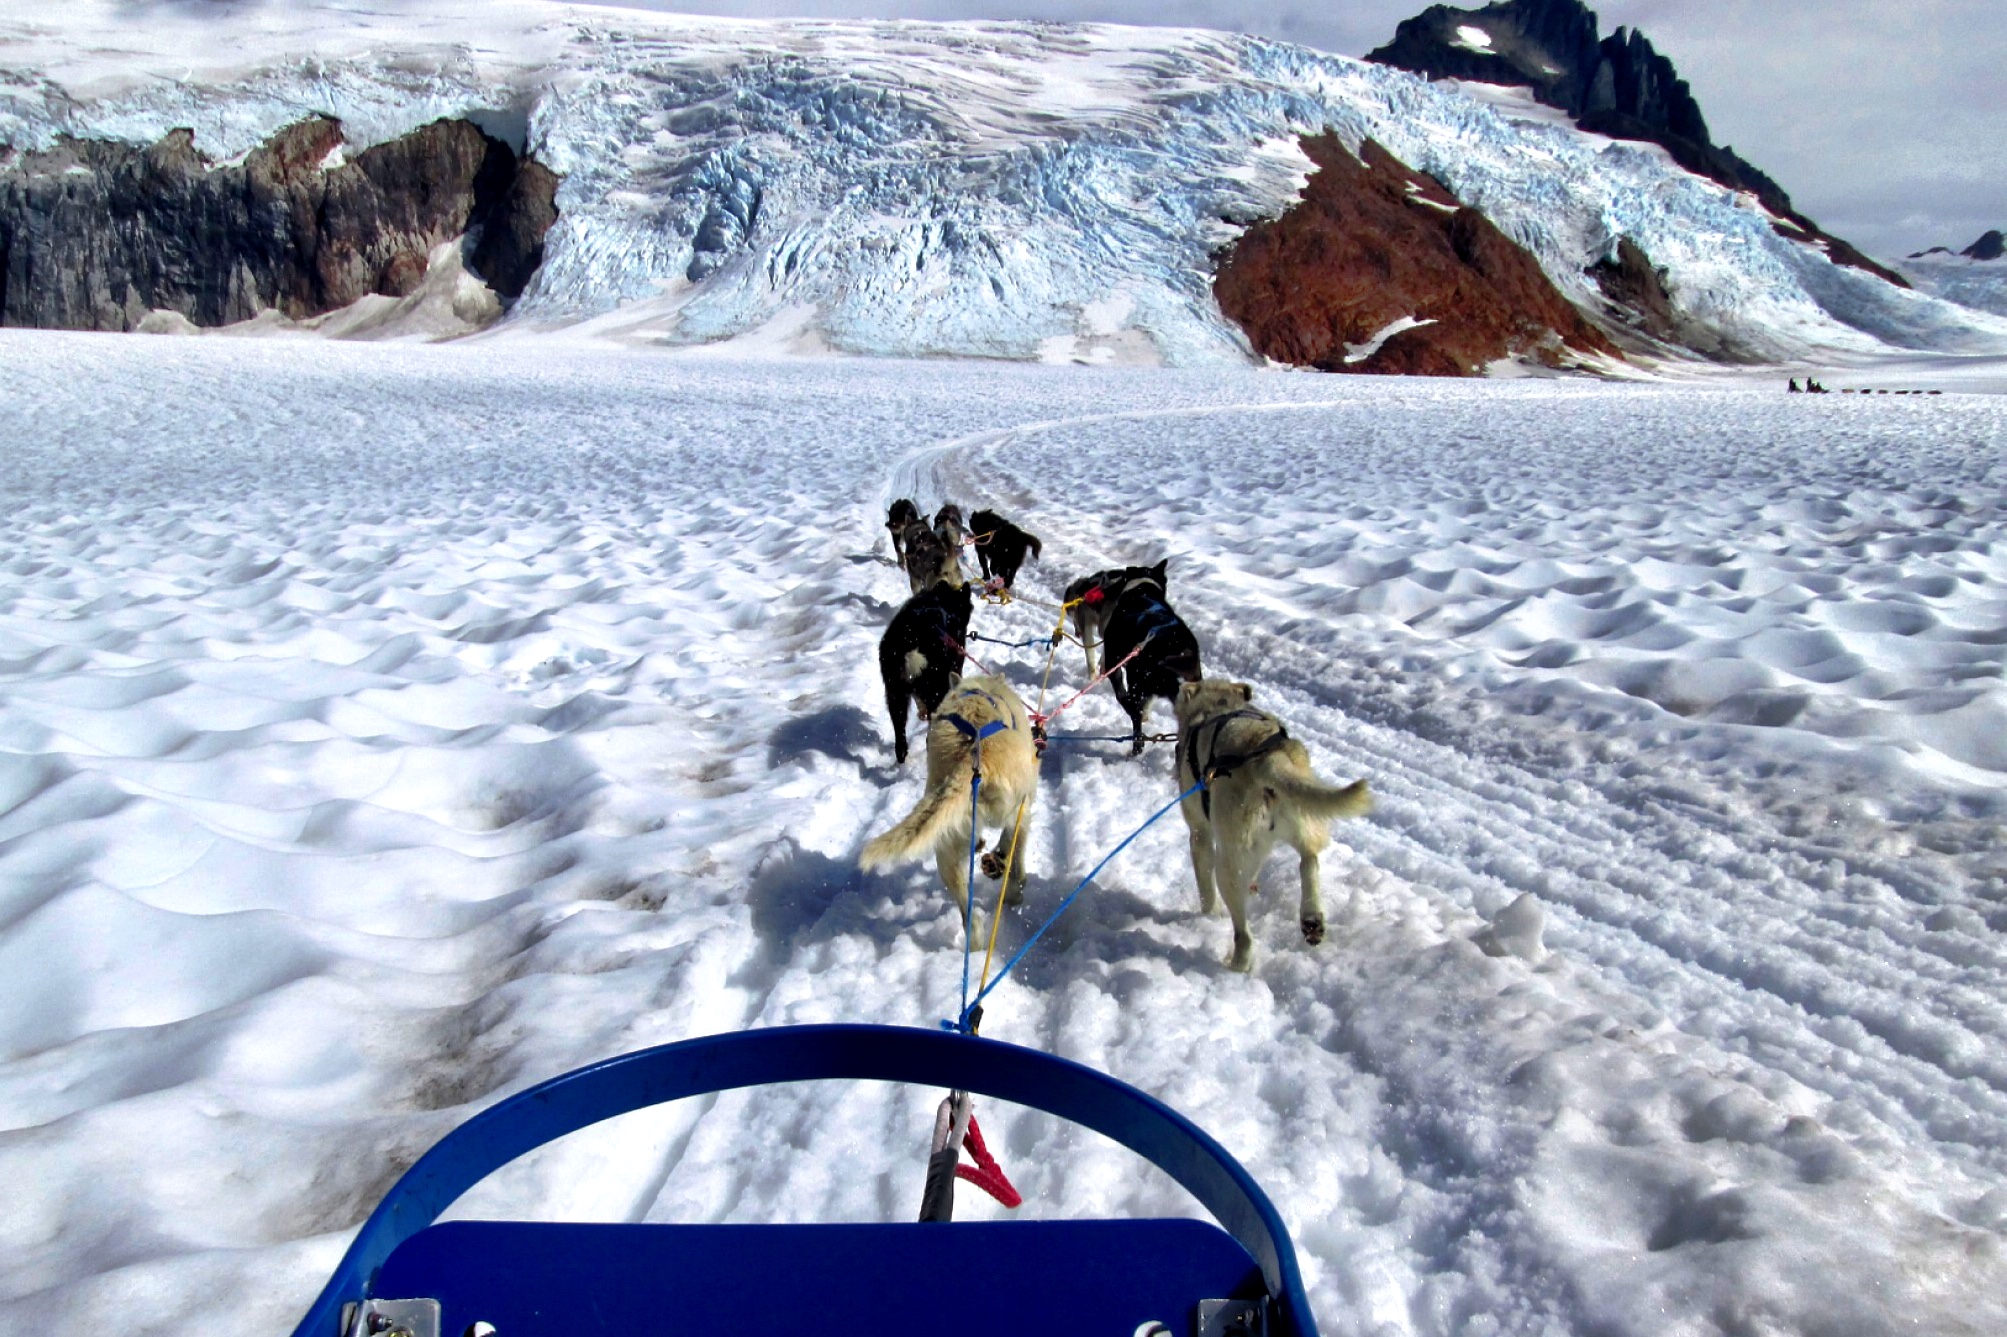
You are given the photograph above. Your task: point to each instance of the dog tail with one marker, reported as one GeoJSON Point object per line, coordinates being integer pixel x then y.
{"type": "Point", "coordinates": [1320, 800]}
{"type": "Point", "coordinates": [1037, 548]}
{"type": "Point", "coordinates": [938, 809]}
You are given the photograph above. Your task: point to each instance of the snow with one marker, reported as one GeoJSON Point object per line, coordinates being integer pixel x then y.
{"type": "Point", "coordinates": [386, 727]}
{"type": "Point", "coordinates": [912, 189]}
{"type": "Point", "coordinates": [1398, 325]}
{"type": "Point", "coordinates": [1473, 39]}
{"type": "Point", "coordinates": [1418, 195]}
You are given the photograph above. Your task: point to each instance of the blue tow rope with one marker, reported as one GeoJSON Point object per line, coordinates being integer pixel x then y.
{"type": "Point", "coordinates": [969, 896]}
{"type": "Point", "coordinates": [1016, 645]}
{"type": "Point", "coordinates": [976, 737]}
{"type": "Point", "coordinates": [962, 1023]}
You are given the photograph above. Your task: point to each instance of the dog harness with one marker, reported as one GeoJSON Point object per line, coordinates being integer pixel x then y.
{"type": "Point", "coordinates": [1154, 616]}
{"type": "Point", "coordinates": [1218, 767]}
{"type": "Point", "coordinates": [976, 733]}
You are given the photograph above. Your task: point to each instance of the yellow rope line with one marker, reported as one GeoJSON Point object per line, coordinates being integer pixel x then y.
{"type": "Point", "coordinates": [1017, 829]}
{"type": "Point", "coordinates": [1052, 652]}
{"type": "Point", "coordinates": [1003, 890]}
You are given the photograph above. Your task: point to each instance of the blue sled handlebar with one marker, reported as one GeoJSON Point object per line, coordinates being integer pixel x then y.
{"type": "Point", "coordinates": [501, 1133]}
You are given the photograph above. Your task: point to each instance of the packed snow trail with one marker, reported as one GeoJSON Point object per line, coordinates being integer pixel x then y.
{"type": "Point", "coordinates": [383, 730]}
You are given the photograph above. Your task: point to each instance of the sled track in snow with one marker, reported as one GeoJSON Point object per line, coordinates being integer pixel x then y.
{"type": "Point", "coordinates": [1714, 918]}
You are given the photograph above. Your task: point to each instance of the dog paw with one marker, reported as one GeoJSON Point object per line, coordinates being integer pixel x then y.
{"type": "Point", "coordinates": [1313, 931]}
{"type": "Point", "coordinates": [993, 864]}
{"type": "Point", "coordinates": [1242, 959]}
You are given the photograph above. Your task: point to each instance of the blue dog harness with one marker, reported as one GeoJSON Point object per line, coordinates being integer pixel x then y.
{"type": "Point", "coordinates": [977, 733]}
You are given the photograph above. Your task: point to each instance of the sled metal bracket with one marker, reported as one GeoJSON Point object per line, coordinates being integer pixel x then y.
{"type": "Point", "coordinates": [1232, 1318]}
{"type": "Point", "coordinates": [391, 1318]}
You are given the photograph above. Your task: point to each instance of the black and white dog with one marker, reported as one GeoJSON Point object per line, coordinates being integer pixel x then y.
{"type": "Point", "coordinates": [903, 513]}
{"type": "Point", "coordinates": [920, 655]}
{"type": "Point", "coordinates": [1139, 620]}
{"type": "Point", "coordinates": [1001, 547]}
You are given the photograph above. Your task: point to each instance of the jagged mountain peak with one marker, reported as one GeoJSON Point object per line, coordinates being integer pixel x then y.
{"type": "Point", "coordinates": [1619, 85]}
{"type": "Point", "coordinates": [1990, 246]}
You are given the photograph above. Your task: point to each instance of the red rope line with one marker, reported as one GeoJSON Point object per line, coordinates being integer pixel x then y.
{"type": "Point", "coordinates": [986, 1174]}
{"type": "Point", "coordinates": [1098, 679]}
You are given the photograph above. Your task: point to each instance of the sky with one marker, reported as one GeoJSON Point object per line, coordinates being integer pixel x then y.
{"type": "Point", "coordinates": [1882, 120]}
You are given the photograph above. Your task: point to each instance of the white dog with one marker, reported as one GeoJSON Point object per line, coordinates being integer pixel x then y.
{"type": "Point", "coordinates": [983, 717]}
{"type": "Point", "coordinates": [1259, 789]}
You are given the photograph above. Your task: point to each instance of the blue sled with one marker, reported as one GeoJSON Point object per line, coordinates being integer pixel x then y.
{"type": "Point", "coordinates": [405, 1276]}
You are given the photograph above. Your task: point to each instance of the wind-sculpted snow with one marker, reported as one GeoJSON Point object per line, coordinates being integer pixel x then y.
{"type": "Point", "coordinates": [1015, 190]}
{"type": "Point", "coordinates": [385, 729]}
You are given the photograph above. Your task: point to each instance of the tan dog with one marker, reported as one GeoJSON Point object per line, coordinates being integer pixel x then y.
{"type": "Point", "coordinates": [1010, 775]}
{"type": "Point", "coordinates": [1259, 789]}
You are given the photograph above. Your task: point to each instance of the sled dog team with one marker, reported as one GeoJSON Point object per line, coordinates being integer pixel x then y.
{"type": "Point", "coordinates": [1258, 785]}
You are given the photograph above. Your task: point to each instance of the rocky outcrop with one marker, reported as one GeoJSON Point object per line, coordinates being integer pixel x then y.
{"type": "Point", "coordinates": [1378, 268]}
{"type": "Point", "coordinates": [1636, 291]}
{"type": "Point", "coordinates": [95, 235]}
{"type": "Point", "coordinates": [1639, 312]}
{"type": "Point", "coordinates": [1618, 86]}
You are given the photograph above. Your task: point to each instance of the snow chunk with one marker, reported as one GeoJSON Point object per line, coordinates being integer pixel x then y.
{"type": "Point", "coordinates": [1360, 352]}
{"type": "Point", "coordinates": [1517, 931]}
{"type": "Point", "coordinates": [1417, 195]}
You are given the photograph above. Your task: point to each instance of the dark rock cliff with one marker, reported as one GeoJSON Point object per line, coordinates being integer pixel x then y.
{"type": "Point", "coordinates": [1618, 86]}
{"type": "Point", "coordinates": [1990, 246]}
{"type": "Point", "coordinates": [1638, 310]}
{"type": "Point", "coordinates": [95, 234]}
{"type": "Point", "coordinates": [1373, 242]}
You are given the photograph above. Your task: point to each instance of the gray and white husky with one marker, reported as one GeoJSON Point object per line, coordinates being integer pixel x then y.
{"type": "Point", "coordinates": [929, 560]}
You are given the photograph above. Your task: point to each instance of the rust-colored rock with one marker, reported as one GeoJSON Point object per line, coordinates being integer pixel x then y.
{"type": "Point", "coordinates": [1373, 242]}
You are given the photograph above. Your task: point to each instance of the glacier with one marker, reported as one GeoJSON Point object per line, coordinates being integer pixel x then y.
{"type": "Point", "coordinates": [1012, 190]}
{"type": "Point", "coordinates": [1980, 284]}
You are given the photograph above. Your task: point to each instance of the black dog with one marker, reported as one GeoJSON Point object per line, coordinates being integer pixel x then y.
{"type": "Point", "coordinates": [1001, 546]}
{"type": "Point", "coordinates": [920, 654]}
{"type": "Point", "coordinates": [903, 513]}
{"type": "Point", "coordinates": [1088, 600]}
{"type": "Point", "coordinates": [1166, 652]}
